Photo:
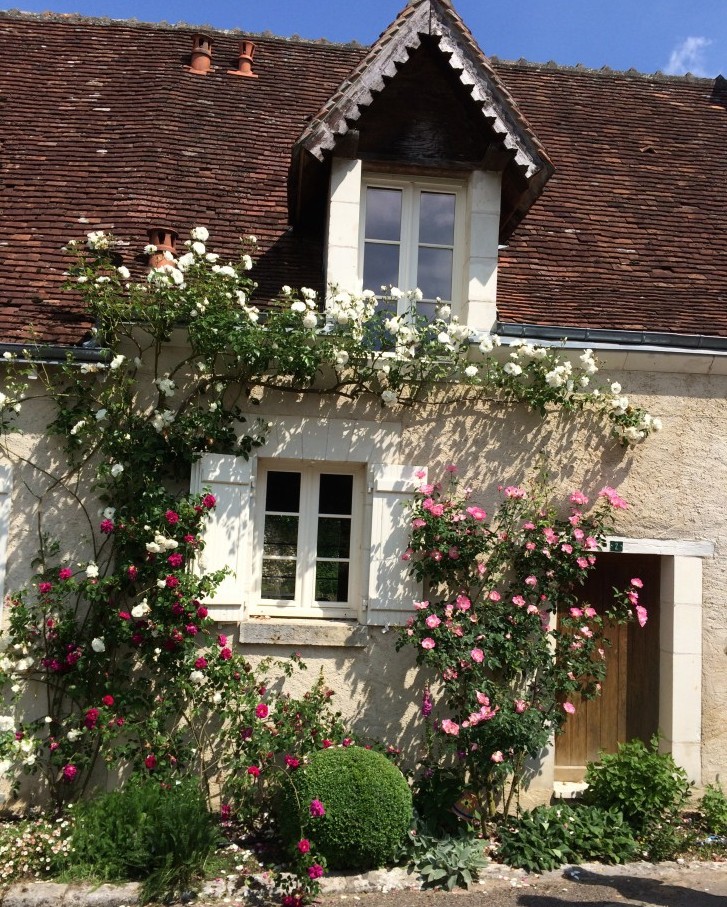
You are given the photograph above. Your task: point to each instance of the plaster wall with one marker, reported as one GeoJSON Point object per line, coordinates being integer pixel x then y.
{"type": "Point", "coordinates": [676, 484]}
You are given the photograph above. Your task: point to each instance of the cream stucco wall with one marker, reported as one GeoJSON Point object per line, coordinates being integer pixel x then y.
{"type": "Point", "coordinates": [676, 484]}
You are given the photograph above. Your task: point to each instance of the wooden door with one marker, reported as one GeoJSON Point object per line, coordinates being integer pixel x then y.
{"type": "Point", "coordinates": [628, 706]}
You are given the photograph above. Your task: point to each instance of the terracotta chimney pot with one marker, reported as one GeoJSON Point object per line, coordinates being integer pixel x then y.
{"type": "Point", "coordinates": [201, 55]}
{"type": "Point", "coordinates": [165, 240]}
{"type": "Point", "coordinates": [244, 66]}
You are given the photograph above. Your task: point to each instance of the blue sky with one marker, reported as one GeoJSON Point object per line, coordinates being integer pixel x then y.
{"type": "Point", "coordinates": [674, 36]}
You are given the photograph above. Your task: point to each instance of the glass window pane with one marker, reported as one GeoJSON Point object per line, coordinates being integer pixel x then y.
{"type": "Point", "coordinates": [383, 214]}
{"type": "Point", "coordinates": [427, 310]}
{"type": "Point", "coordinates": [283, 492]}
{"type": "Point", "coordinates": [335, 493]}
{"type": "Point", "coordinates": [280, 536]}
{"type": "Point", "coordinates": [434, 273]}
{"type": "Point", "coordinates": [331, 581]}
{"type": "Point", "coordinates": [381, 266]}
{"type": "Point", "coordinates": [278, 579]}
{"type": "Point", "coordinates": [334, 537]}
{"type": "Point", "coordinates": [436, 218]}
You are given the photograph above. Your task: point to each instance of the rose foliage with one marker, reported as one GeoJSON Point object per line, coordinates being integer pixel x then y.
{"type": "Point", "coordinates": [511, 643]}
{"type": "Point", "coordinates": [110, 657]}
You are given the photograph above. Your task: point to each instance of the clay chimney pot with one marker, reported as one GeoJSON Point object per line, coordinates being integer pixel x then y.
{"type": "Point", "coordinates": [244, 66]}
{"type": "Point", "coordinates": [201, 54]}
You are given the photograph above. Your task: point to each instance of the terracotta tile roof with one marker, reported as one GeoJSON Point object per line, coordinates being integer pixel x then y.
{"type": "Point", "coordinates": [104, 128]}
{"type": "Point", "coordinates": [631, 231]}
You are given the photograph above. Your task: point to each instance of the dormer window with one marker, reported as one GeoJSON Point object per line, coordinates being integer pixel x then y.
{"type": "Point", "coordinates": [413, 236]}
{"type": "Point", "coordinates": [437, 234]}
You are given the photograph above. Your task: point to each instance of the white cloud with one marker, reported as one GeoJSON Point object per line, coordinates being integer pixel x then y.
{"type": "Point", "coordinates": [689, 56]}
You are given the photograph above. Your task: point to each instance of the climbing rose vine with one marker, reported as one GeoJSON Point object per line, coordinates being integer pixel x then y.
{"type": "Point", "coordinates": [511, 644]}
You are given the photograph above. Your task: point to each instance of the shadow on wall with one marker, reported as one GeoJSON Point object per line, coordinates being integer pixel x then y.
{"type": "Point", "coordinates": [493, 444]}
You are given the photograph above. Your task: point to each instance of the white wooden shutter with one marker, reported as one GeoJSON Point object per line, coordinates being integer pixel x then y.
{"type": "Point", "coordinates": [228, 533]}
{"type": "Point", "coordinates": [391, 590]}
{"type": "Point", "coordinates": [6, 487]}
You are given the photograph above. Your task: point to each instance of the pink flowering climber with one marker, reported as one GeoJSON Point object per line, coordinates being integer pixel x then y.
{"type": "Point", "coordinates": [316, 809]}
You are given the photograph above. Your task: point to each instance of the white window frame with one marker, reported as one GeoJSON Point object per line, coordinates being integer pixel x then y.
{"type": "Point", "coordinates": [409, 239]}
{"type": "Point", "coordinates": [383, 591]}
{"type": "Point", "coordinates": [304, 604]}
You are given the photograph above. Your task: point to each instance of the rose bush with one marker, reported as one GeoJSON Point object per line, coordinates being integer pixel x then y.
{"type": "Point", "coordinates": [503, 627]}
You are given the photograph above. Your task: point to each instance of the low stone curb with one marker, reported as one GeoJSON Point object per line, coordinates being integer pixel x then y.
{"type": "Point", "coordinates": [225, 891]}
{"type": "Point", "coordinates": [53, 894]}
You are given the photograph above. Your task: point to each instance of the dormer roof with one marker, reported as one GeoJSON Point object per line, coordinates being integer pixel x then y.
{"type": "Point", "coordinates": [523, 157]}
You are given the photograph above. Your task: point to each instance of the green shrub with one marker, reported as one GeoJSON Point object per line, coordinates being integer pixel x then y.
{"type": "Point", "coordinates": [648, 787]}
{"type": "Point", "coordinates": [159, 835]}
{"type": "Point", "coordinates": [548, 836]}
{"type": "Point", "coordinates": [713, 807]}
{"type": "Point", "coordinates": [367, 802]}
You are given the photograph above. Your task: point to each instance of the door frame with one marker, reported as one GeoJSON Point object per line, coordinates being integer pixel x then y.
{"type": "Point", "coordinates": [680, 653]}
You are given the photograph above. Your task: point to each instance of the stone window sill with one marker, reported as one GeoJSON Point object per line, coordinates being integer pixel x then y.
{"type": "Point", "coordinates": [297, 633]}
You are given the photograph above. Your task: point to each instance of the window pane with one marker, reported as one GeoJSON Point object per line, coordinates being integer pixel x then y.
{"type": "Point", "coordinates": [427, 310]}
{"type": "Point", "coordinates": [434, 273]}
{"type": "Point", "coordinates": [381, 266]}
{"type": "Point", "coordinates": [335, 493]}
{"type": "Point", "coordinates": [383, 214]}
{"type": "Point", "coordinates": [281, 536]}
{"type": "Point", "coordinates": [334, 537]}
{"type": "Point", "coordinates": [436, 218]}
{"type": "Point", "coordinates": [278, 579]}
{"type": "Point", "coordinates": [331, 581]}
{"type": "Point", "coordinates": [283, 492]}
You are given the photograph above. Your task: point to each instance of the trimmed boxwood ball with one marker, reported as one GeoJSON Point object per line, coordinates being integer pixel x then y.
{"type": "Point", "coordinates": [367, 801]}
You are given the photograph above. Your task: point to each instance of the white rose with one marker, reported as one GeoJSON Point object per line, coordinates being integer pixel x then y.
{"type": "Point", "coordinates": [198, 248]}
{"type": "Point", "coordinates": [471, 371]}
{"type": "Point", "coordinates": [116, 470]}
{"type": "Point", "coordinates": [101, 414]}
{"type": "Point", "coordinates": [615, 388]}
{"type": "Point", "coordinates": [123, 272]}
{"type": "Point", "coordinates": [310, 321]}
{"type": "Point", "coordinates": [7, 723]}
{"type": "Point", "coordinates": [298, 306]}
{"type": "Point", "coordinates": [92, 570]}
{"type": "Point", "coordinates": [389, 397]}
{"type": "Point", "coordinates": [98, 645]}
{"type": "Point", "coordinates": [512, 368]}
{"type": "Point", "coordinates": [200, 233]}
{"type": "Point", "coordinates": [73, 734]}
{"type": "Point", "coordinates": [197, 678]}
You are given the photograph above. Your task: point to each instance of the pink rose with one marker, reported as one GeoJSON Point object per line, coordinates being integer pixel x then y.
{"type": "Point", "coordinates": [450, 727]}
{"type": "Point", "coordinates": [641, 615]}
{"type": "Point", "coordinates": [497, 756]}
{"type": "Point", "coordinates": [432, 621]}
{"type": "Point", "coordinates": [569, 708]}
{"type": "Point", "coordinates": [520, 706]}
{"type": "Point", "coordinates": [636, 582]}
{"type": "Point", "coordinates": [261, 710]}
{"type": "Point", "coordinates": [428, 643]}
{"type": "Point", "coordinates": [65, 573]}
{"type": "Point", "coordinates": [477, 655]}
{"type": "Point", "coordinates": [69, 772]}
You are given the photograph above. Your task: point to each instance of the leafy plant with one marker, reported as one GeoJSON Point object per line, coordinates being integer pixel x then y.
{"type": "Point", "coordinates": [648, 787]}
{"type": "Point", "coordinates": [548, 836]}
{"type": "Point", "coordinates": [366, 803]}
{"type": "Point", "coordinates": [159, 834]}
{"type": "Point", "coordinates": [32, 848]}
{"type": "Point", "coordinates": [713, 807]}
{"type": "Point", "coordinates": [445, 860]}
{"type": "Point", "coordinates": [507, 669]}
